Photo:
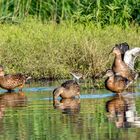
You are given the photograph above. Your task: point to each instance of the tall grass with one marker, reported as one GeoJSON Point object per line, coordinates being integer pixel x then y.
{"type": "Point", "coordinates": [99, 11]}
{"type": "Point", "coordinates": [53, 50]}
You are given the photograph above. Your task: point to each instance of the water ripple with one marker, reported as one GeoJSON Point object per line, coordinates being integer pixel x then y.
{"type": "Point", "coordinates": [33, 89]}
{"type": "Point", "coordinates": [84, 96]}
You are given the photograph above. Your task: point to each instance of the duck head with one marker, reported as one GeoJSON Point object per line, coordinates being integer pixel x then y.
{"type": "Point", "coordinates": [109, 73]}
{"type": "Point", "coordinates": [116, 51]}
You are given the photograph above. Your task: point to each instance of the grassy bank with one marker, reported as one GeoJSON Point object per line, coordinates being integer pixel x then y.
{"type": "Point", "coordinates": [53, 50]}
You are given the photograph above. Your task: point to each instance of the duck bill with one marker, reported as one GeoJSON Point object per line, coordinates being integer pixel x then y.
{"type": "Point", "coordinates": [111, 50]}
{"type": "Point", "coordinates": [105, 76]}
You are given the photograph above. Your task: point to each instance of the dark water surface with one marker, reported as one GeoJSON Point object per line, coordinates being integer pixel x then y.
{"type": "Point", "coordinates": [98, 115]}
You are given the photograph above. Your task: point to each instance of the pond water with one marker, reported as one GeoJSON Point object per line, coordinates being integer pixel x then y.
{"type": "Point", "coordinates": [98, 115]}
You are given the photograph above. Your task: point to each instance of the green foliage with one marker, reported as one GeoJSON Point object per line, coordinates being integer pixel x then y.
{"type": "Point", "coordinates": [100, 12]}
{"type": "Point", "coordinates": [53, 50]}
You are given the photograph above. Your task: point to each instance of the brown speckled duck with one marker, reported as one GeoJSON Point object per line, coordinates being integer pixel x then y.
{"type": "Point", "coordinates": [119, 66]}
{"type": "Point", "coordinates": [12, 81]}
{"type": "Point", "coordinates": [68, 89]}
{"type": "Point", "coordinates": [115, 83]}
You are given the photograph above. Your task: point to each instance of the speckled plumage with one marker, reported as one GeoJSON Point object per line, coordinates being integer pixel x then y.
{"type": "Point", "coordinates": [11, 81]}
{"type": "Point", "coordinates": [115, 83]}
{"type": "Point", "coordinates": [68, 89]}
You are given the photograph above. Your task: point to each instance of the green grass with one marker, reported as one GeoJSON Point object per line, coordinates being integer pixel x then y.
{"type": "Point", "coordinates": [82, 11]}
{"type": "Point", "coordinates": [53, 50]}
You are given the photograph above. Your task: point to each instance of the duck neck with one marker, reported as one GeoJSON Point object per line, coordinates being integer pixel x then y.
{"type": "Point", "coordinates": [118, 56]}
{"type": "Point", "coordinates": [118, 59]}
{"type": "Point", "coordinates": [2, 79]}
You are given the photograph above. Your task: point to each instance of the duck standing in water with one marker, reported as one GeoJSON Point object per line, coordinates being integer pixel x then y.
{"type": "Point", "coordinates": [12, 81]}
{"type": "Point", "coordinates": [68, 89]}
{"type": "Point", "coordinates": [115, 83]}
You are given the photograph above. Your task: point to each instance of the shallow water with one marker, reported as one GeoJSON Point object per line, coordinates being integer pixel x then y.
{"type": "Point", "coordinates": [98, 115]}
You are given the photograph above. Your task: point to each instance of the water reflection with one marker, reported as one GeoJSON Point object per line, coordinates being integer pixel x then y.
{"type": "Point", "coordinates": [122, 110]}
{"type": "Point", "coordinates": [70, 109]}
{"type": "Point", "coordinates": [13, 99]}
{"type": "Point", "coordinates": [67, 106]}
{"type": "Point", "coordinates": [83, 118]}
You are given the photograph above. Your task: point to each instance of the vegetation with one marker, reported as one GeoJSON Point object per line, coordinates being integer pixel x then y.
{"type": "Point", "coordinates": [36, 45]}
{"type": "Point", "coordinates": [50, 38]}
{"type": "Point", "coordinates": [99, 11]}
{"type": "Point", "coordinates": [53, 50]}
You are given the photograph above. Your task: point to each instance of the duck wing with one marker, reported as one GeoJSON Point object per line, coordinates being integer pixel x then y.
{"type": "Point", "coordinates": [68, 84]}
{"type": "Point", "coordinates": [14, 78]}
{"type": "Point", "coordinates": [120, 78]}
{"type": "Point", "coordinates": [130, 57]}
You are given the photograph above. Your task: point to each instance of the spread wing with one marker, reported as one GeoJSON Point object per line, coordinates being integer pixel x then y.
{"type": "Point", "coordinates": [130, 56]}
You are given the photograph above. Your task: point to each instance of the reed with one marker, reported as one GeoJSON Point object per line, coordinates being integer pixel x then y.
{"type": "Point", "coordinates": [53, 50]}
{"type": "Point", "coordinates": [100, 12]}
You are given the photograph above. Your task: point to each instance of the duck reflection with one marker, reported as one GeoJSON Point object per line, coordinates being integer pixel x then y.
{"type": "Point", "coordinates": [116, 109]}
{"type": "Point", "coordinates": [70, 115]}
{"type": "Point", "coordinates": [67, 106]}
{"type": "Point", "coordinates": [122, 111]}
{"type": "Point", "coordinates": [13, 99]}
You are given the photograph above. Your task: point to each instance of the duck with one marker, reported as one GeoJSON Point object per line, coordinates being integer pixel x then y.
{"type": "Point", "coordinates": [119, 67]}
{"type": "Point", "coordinates": [115, 83]}
{"type": "Point", "coordinates": [129, 56]}
{"type": "Point", "coordinates": [68, 89]}
{"type": "Point", "coordinates": [12, 81]}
